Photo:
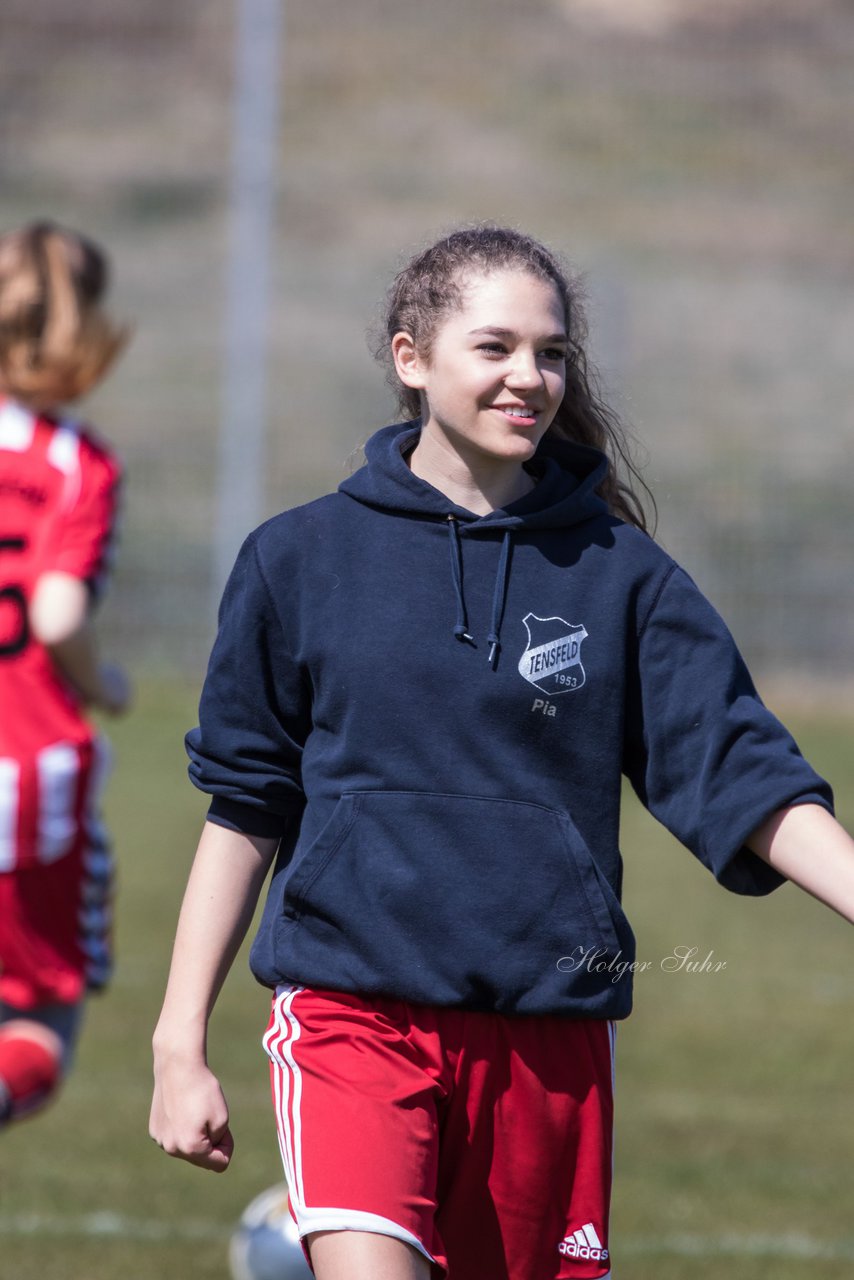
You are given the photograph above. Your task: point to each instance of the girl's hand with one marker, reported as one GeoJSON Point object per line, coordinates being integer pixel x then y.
{"type": "Point", "coordinates": [115, 693]}
{"type": "Point", "coordinates": [189, 1116]}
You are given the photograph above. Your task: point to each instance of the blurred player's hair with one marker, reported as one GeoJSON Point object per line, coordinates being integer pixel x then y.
{"type": "Point", "coordinates": [56, 341]}
{"type": "Point", "coordinates": [432, 286]}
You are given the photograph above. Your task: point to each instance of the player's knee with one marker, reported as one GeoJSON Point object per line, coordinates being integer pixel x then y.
{"type": "Point", "coordinates": [30, 1067]}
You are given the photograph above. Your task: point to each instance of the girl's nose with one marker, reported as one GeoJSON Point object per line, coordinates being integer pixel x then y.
{"type": "Point", "coordinates": [524, 371]}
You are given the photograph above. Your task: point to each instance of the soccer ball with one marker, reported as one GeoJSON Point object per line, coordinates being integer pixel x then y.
{"type": "Point", "coordinates": [266, 1244]}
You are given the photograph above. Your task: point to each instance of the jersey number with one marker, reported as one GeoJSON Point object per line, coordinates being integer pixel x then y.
{"type": "Point", "coordinates": [14, 602]}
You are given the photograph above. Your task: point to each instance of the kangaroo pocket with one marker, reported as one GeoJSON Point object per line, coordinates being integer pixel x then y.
{"type": "Point", "coordinates": [455, 899]}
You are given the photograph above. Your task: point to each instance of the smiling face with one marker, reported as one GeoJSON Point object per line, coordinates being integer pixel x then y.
{"type": "Point", "coordinates": [495, 374]}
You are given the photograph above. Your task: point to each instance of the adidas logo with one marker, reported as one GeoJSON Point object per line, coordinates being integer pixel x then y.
{"type": "Point", "coordinates": [584, 1243]}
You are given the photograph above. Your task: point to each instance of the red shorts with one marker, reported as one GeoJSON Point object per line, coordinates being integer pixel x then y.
{"type": "Point", "coordinates": [56, 914]}
{"type": "Point", "coordinates": [483, 1141]}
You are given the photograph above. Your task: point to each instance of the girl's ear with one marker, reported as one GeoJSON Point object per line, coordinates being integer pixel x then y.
{"type": "Point", "coordinates": [409, 366]}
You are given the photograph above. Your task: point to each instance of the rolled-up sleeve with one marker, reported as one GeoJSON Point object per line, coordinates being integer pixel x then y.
{"type": "Point", "coordinates": [703, 753]}
{"type": "Point", "coordinates": [254, 713]}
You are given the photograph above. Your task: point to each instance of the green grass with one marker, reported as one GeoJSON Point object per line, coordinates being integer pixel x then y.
{"type": "Point", "coordinates": [732, 1086]}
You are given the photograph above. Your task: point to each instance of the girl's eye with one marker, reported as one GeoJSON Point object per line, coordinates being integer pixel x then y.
{"type": "Point", "coordinates": [493, 348]}
{"type": "Point", "coordinates": [553, 353]}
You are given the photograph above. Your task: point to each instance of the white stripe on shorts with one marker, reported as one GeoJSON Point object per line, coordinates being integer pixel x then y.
{"type": "Point", "coordinates": [287, 1090]}
{"type": "Point", "coordinates": [310, 1220]}
{"type": "Point", "coordinates": [58, 769]}
{"type": "Point", "coordinates": [10, 773]}
{"type": "Point", "coordinates": [612, 1036]}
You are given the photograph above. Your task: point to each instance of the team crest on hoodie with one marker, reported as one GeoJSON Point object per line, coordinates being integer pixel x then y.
{"type": "Point", "coordinates": [552, 659]}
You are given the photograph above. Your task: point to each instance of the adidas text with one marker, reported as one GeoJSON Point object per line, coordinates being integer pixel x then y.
{"type": "Point", "coordinates": [584, 1244]}
{"type": "Point", "coordinates": [574, 1250]}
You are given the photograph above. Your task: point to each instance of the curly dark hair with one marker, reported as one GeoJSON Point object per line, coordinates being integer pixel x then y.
{"type": "Point", "coordinates": [433, 284]}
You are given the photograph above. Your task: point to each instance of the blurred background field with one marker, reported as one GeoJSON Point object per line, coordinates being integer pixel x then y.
{"type": "Point", "coordinates": [696, 163]}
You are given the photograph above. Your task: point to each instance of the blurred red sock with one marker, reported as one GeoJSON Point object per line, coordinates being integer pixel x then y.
{"type": "Point", "coordinates": [29, 1073]}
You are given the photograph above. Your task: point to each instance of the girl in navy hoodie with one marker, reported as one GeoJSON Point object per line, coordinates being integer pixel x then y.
{"type": "Point", "coordinates": [424, 692]}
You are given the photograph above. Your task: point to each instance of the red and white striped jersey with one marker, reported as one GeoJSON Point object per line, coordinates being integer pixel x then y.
{"type": "Point", "coordinates": [58, 503]}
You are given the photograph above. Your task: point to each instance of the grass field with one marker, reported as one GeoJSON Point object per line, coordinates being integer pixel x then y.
{"type": "Point", "coordinates": [733, 1152]}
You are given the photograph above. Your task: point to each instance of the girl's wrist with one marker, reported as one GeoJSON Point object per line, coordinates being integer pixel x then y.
{"type": "Point", "coordinates": [185, 1042]}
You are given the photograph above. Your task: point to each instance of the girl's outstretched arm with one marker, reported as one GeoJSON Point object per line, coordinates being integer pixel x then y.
{"type": "Point", "coordinates": [808, 846]}
{"type": "Point", "coordinates": [189, 1116]}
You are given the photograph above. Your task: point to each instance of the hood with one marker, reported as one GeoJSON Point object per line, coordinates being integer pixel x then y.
{"type": "Point", "coordinates": [567, 476]}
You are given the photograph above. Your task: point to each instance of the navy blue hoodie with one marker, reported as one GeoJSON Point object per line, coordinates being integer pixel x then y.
{"type": "Point", "coordinates": [432, 710]}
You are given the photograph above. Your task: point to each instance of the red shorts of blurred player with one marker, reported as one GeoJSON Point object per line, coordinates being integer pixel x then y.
{"type": "Point", "coordinates": [485, 1142]}
{"type": "Point", "coordinates": [56, 915]}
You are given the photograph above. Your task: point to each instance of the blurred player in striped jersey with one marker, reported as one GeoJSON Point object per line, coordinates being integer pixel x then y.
{"type": "Point", "coordinates": [58, 496]}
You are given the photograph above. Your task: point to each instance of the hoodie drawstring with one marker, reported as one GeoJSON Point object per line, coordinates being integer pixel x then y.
{"type": "Point", "coordinates": [461, 626]}
{"type": "Point", "coordinates": [498, 597]}
{"type": "Point", "coordinates": [461, 630]}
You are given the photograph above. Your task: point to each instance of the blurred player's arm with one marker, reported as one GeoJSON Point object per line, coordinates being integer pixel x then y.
{"type": "Point", "coordinates": [808, 846]}
{"type": "Point", "coordinates": [189, 1115]}
{"type": "Point", "coordinates": [59, 619]}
